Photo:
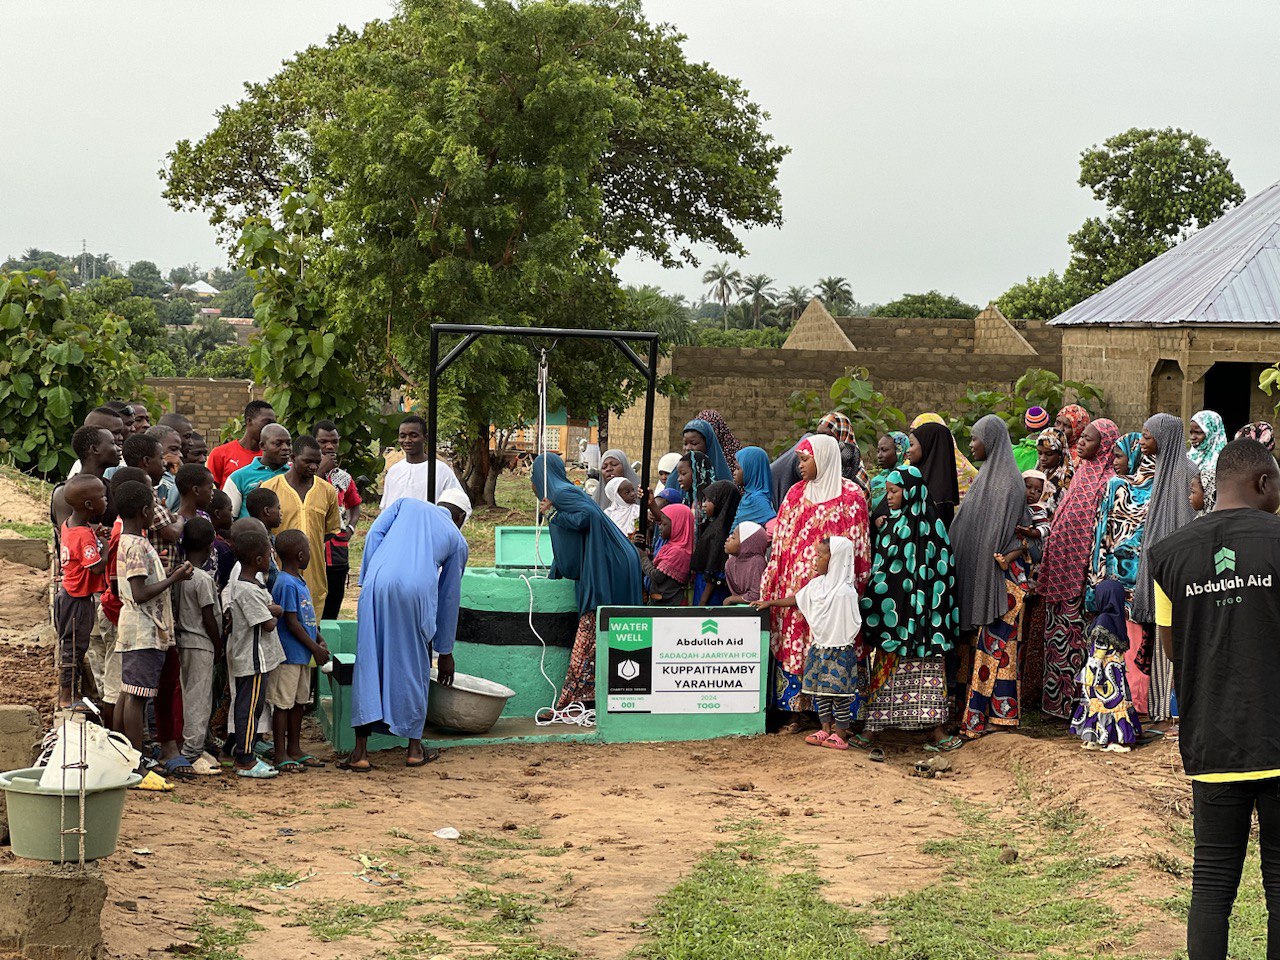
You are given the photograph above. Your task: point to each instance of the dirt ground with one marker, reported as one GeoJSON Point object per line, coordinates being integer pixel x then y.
{"type": "Point", "coordinates": [19, 506]}
{"type": "Point", "coordinates": [597, 833]}
{"type": "Point", "coordinates": [616, 827]}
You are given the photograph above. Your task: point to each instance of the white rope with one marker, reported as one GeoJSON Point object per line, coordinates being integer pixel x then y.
{"type": "Point", "coordinates": [575, 714]}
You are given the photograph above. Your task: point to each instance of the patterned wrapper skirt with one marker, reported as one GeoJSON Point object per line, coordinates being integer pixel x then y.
{"type": "Point", "coordinates": [1064, 655]}
{"type": "Point", "coordinates": [908, 693]}
{"type": "Point", "coordinates": [991, 698]}
{"type": "Point", "coordinates": [580, 680]}
{"type": "Point", "coordinates": [1105, 714]}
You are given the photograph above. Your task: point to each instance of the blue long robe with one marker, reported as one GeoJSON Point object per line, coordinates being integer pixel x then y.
{"type": "Point", "coordinates": [411, 586]}
{"type": "Point", "coordinates": [589, 547]}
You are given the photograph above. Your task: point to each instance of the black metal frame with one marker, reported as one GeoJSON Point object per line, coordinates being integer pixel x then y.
{"type": "Point", "coordinates": [472, 332]}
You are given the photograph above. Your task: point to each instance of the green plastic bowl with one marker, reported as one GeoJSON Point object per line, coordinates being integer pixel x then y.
{"type": "Point", "coordinates": [37, 817]}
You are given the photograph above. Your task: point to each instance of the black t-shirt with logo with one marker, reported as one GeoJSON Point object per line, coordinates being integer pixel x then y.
{"type": "Point", "coordinates": [1222, 577]}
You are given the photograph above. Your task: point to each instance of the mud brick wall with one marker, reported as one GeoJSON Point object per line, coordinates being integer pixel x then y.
{"type": "Point", "coordinates": [209, 404]}
{"type": "Point", "coordinates": [751, 388]}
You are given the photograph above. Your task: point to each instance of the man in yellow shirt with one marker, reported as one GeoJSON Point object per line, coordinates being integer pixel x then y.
{"type": "Point", "coordinates": [1217, 592]}
{"type": "Point", "coordinates": [310, 504]}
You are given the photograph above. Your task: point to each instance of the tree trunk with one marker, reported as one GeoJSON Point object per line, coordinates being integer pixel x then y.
{"type": "Point", "coordinates": [602, 429]}
{"type": "Point", "coordinates": [491, 484]}
{"type": "Point", "coordinates": [478, 489]}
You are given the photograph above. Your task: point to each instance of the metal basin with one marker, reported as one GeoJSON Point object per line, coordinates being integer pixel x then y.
{"type": "Point", "coordinates": [471, 705]}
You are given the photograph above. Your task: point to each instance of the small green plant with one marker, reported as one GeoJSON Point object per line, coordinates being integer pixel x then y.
{"type": "Point", "coordinates": [330, 920]}
{"type": "Point", "coordinates": [1035, 388]}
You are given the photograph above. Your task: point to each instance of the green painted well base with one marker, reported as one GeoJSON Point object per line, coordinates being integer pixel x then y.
{"type": "Point", "coordinates": [516, 664]}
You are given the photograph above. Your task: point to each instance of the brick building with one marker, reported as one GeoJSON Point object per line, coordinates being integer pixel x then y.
{"type": "Point", "coordinates": [1191, 329]}
{"type": "Point", "coordinates": [919, 364]}
{"type": "Point", "coordinates": [209, 404]}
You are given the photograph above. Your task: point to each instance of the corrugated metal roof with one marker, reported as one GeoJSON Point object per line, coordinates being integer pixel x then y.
{"type": "Point", "coordinates": [1229, 272]}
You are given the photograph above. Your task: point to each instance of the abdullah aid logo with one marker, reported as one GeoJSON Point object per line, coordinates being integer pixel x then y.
{"type": "Point", "coordinates": [1224, 567]}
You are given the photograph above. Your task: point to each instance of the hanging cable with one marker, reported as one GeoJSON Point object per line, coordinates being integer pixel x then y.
{"type": "Point", "coordinates": [574, 714]}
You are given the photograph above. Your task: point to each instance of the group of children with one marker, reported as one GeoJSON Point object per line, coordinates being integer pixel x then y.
{"type": "Point", "coordinates": [197, 618]}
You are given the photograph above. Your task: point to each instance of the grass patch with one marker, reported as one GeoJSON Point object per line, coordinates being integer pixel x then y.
{"type": "Point", "coordinates": [330, 920]}
{"type": "Point", "coordinates": [747, 899]}
{"type": "Point", "coordinates": [270, 877]}
{"type": "Point", "coordinates": [339, 805]}
{"type": "Point", "coordinates": [216, 941]}
{"type": "Point", "coordinates": [33, 531]}
{"type": "Point", "coordinates": [508, 913]}
{"type": "Point", "coordinates": [733, 906]}
{"type": "Point", "coordinates": [412, 945]}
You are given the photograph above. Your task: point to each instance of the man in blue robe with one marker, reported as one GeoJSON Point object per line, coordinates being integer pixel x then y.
{"type": "Point", "coordinates": [411, 586]}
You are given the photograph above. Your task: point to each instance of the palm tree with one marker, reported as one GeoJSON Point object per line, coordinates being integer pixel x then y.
{"type": "Point", "coordinates": [794, 301]}
{"type": "Point", "coordinates": [724, 283]}
{"type": "Point", "coordinates": [835, 293]}
{"type": "Point", "coordinates": [759, 291]}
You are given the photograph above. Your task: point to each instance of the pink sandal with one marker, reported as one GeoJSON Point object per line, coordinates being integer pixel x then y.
{"type": "Point", "coordinates": [817, 739]}
{"type": "Point", "coordinates": [836, 742]}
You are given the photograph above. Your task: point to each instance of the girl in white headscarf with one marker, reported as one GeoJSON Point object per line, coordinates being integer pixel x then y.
{"type": "Point", "coordinates": [832, 671]}
{"type": "Point", "coordinates": [822, 505]}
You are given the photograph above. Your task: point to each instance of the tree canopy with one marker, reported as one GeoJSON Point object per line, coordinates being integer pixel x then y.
{"type": "Point", "coordinates": [1158, 186]}
{"type": "Point", "coordinates": [932, 304]}
{"type": "Point", "coordinates": [489, 163]}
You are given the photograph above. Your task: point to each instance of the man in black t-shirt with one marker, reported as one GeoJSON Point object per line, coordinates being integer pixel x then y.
{"type": "Point", "coordinates": [1217, 586]}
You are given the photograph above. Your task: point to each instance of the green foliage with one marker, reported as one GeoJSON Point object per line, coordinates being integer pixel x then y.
{"type": "Point", "coordinates": [489, 163]}
{"type": "Point", "coordinates": [236, 299]}
{"type": "Point", "coordinates": [176, 312]}
{"type": "Point", "coordinates": [1268, 380]}
{"type": "Point", "coordinates": [856, 397]}
{"type": "Point", "coordinates": [769, 337]}
{"type": "Point", "coordinates": [1040, 298]}
{"type": "Point", "coordinates": [1158, 186]}
{"type": "Point", "coordinates": [54, 369]}
{"type": "Point", "coordinates": [309, 370]}
{"type": "Point", "coordinates": [836, 294]}
{"type": "Point", "coordinates": [226, 362]}
{"type": "Point", "coordinates": [146, 279]}
{"type": "Point", "coordinates": [114, 296]}
{"type": "Point", "coordinates": [933, 304]}
{"type": "Point", "coordinates": [1035, 388]}
{"type": "Point", "coordinates": [75, 269]}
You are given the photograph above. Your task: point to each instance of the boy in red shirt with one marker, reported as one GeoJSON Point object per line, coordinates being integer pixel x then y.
{"type": "Point", "coordinates": [83, 577]}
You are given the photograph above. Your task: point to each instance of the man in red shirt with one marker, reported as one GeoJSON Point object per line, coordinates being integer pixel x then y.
{"type": "Point", "coordinates": [229, 457]}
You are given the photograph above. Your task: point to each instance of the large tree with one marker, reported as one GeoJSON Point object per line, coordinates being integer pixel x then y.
{"type": "Point", "coordinates": [1158, 187]}
{"type": "Point", "coordinates": [489, 163]}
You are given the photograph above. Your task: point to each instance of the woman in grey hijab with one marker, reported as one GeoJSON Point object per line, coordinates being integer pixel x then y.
{"type": "Point", "coordinates": [1168, 510]}
{"type": "Point", "coordinates": [614, 463]}
{"type": "Point", "coordinates": [990, 602]}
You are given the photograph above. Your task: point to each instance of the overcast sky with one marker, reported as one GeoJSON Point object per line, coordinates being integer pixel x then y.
{"type": "Point", "coordinates": [934, 144]}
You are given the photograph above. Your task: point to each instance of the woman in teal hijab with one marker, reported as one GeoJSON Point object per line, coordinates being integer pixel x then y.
{"type": "Point", "coordinates": [590, 550]}
{"type": "Point", "coordinates": [701, 436]}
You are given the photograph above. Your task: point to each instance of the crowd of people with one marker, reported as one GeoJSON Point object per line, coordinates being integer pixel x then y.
{"type": "Point", "coordinates": [191, 584]}
{"type": "Point", "coordinates": [938, 592]}
{"type": "Point", "coordinates": [1115, 581]}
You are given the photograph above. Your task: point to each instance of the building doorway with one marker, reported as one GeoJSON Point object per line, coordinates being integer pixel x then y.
{"type": "Point", "coordinates": [1228, 389]}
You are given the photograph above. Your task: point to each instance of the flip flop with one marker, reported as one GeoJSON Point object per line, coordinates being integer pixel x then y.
{"type": "Point", "coordinates": [346, 765]}
{"type": "Point", "coordinates": [861, 742]}
{"type": "Point", "coordinates": [876, 755]}
{"type": "Point", "coordinates": [836, 742]}
{"type": "Point", "coordinates": [307, 760]}
{"type": "Point", "coordinates": [944, 746]}
{"type": "Point", "coordinates": [817, 738]}
{"type": "Point", "coordinates": [179, 768]}
{"type": "Point", "coordinates": [259, 771]}
{"type": "Point", "coordinates": [290, 766]}
{"type": "Point", "coordinates": [792, 728]}
{"type": "Point", "coordinates": [422, 761]}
